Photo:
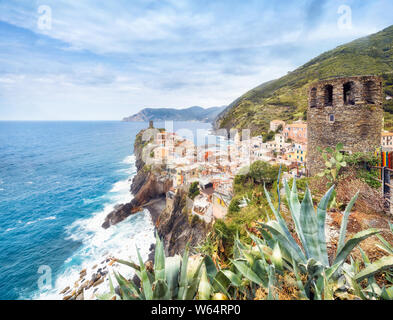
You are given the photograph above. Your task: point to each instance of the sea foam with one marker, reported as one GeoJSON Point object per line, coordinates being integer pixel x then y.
{"type": "Point", "coordinates": [99, 244]}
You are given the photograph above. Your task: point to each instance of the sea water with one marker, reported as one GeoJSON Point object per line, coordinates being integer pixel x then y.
{"type": "Point", "coordinates": [58, 181]}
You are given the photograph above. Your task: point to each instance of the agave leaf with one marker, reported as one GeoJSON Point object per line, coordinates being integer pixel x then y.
{"type": "Point", "coordinates": [129, 263]}
{"type": "Point", "coordinates": [294, 207]}
{"type": "Point", "coordinates": [127, 288]}
{"type": "Point", "coordinates": [235, 280]}
{"type": "Point", "coordinates": [204, 290]}
{"type": "Point", "coordinates": [277, 258]}
{"type": "Point", "coordinates": [309, 224]}
{"type": "Point", "coordinates": [352, 243]}
{"type": "Point", "coordinates": [193, 279]}
{"type": "Point", "coordinates": [247, 272]}
{"type": "Point", "coordinates": [321, 216]}
{"type": "Point", "coordinates": [299, 281]}
{"type": "Point", "coordinates": [161, 291]}
{"type": "Point", "coordinates": [261, 269]}
{"type": "Point", "coordinates": [172, 272]}
{"type": "Point", "coordinates": [385, 246]}
{"type": "Point", "coordinates": [210, 267]}
{"type": "Point", "coordinates": [159, 260]}
{"type": "Point", "coordinates": [292, 249]}
{"type": "Point", "coordinates": [327, 289]}
{"type": "Point", "coordinates": [146, 284]}
{"type": "Point", "coordinates": [221, 283]}
{"type": "Point", "coordinates": [382, 264]}
{"type": "Point", "coordinates": [387, 293]}
{"type": "Point", "coordinates": [344, 223]}
{"type": "Point", "coordinates": [271, 285]}
{"type": "Point", "coordinates": [105, 296]}
{"type": "Point", "coordinates": [183, 275]}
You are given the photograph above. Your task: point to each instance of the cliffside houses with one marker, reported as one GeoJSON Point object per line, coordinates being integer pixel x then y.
{"type": "Point", "coordinates": [214, 166]}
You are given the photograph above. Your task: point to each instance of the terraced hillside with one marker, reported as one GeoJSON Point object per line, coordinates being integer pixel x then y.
{"type": "Point", "coordinates": [286, 98]}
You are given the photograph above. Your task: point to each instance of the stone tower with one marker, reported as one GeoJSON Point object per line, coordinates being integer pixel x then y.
{"type": "Point", "coordinates": [346, 110]}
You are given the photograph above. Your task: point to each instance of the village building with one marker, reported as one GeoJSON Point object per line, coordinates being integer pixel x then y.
{"type": "Point", "coordinates": [296, 132]}
{"type": "Point", "coordinates": [387, 141]}
{"type": "Point", "coordinates": [276, 124]}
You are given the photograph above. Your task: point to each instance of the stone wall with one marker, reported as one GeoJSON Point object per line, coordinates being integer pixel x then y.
{"type": "Point", "coordinates": [346, 110]}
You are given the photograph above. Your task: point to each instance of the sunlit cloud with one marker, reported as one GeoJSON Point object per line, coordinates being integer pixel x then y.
{"type": "Point", "coordinates": [108, 59]}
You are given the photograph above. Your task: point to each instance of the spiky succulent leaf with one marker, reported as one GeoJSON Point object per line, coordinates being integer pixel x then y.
{"type": "Point", "coordinates": [183, 275]}
{"type": "Point", "coordinates": [352, 243]}
{"type": "Point", "coordinates": [247, 272]}
{"type": "Point", "coordinates": [146, 284]}
{"type": "Point", "coordinates": [161, 291]}
{"type": "Point", "coordinates": [159, 260]}
{"type": "Point", "coordinates": [309, 224]}
{"type": "Point", "coordinates": [344, 223]}
{"type": "Point", "coordinates": [385, 263]}
{"type": "Point", "coordinates": [321, 216]}
{"type": "Point", "coordinates": [204, 290]}
{"type": "Point", "coordinates": [172, 274]}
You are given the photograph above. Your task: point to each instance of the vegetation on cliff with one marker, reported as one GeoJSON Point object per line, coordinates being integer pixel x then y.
{"type": "Point", "coordinates": [278, 262]}
{"type": "Point", "coordinates": [286, 98]}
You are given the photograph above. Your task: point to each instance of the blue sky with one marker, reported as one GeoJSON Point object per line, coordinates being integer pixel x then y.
{"type": "Point", "coordinates": [103, 60]}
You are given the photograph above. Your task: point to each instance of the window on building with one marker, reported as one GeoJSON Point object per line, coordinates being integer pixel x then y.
{"type": "Point", "coordinates": [313, 98]}
{"type": "Point", "coordinates": [328, 95]}
{"type": "Point", "coordinates": [370, 92]}
{"type": "Point", "coordinates": [331, 118]}
{"type": "Point", "coordinates": [349, 93]}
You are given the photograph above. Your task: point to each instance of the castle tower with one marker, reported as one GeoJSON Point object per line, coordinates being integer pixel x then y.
{"type": "Point", "coordinates": [347, 110]}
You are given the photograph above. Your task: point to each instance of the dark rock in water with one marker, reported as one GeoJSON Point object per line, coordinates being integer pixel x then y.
{"type": "Point", "coordinates": [65, 290]}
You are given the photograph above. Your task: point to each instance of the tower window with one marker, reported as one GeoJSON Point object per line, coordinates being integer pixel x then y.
{"type": "Point", "coordinates": [313, 98]}
{"type": "Point", "coordinates": [349, 93]}
{"type": "Point", "coordinates": [331, 118]}
{"type": "Point", "coordinates": [328, 95]}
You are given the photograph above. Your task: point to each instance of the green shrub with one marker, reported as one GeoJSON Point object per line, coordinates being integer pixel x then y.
{"type": "Point", "coordinates": [193, 192]}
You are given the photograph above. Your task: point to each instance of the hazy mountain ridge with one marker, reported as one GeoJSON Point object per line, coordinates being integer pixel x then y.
{"type": "Point", "coordinates": [189, 114]}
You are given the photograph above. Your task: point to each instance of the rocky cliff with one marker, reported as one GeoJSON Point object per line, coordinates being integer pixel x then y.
{"type": "Point", "coordinates": [176, 229]}
{"type": "Point", "coordinates": [172, 220]}
{"type": "Point", "coordinates": [148, 185]}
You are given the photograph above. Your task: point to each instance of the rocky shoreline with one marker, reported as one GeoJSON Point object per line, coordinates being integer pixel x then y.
{"type": "Point", "coordinates": [172, 224]}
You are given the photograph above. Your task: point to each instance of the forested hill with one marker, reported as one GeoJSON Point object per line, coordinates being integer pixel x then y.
{"type": "Point", "coordinates": [286, 98]}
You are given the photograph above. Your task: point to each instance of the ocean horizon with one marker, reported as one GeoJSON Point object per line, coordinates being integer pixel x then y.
{"type": "Point", "coordinates": [58, 181]}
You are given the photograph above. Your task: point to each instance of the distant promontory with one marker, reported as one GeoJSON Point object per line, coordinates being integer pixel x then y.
{"type": "Point", "coordinates": [164, 114]}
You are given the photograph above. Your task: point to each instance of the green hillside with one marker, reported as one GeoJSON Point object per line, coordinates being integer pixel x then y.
{"type": "Point", "coordinates": [286, 98]}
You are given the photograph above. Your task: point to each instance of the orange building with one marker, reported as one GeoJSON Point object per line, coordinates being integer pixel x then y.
{"type": "Point", "coordinates": [297, 132]}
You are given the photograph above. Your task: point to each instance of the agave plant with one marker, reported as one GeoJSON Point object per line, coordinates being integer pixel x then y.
{"type": "Point", "coordinates": [172, 278]}
{"type": "Point", "coordinates": [385, 264]}
{"type": "Point", "coordinates": [311, 257]}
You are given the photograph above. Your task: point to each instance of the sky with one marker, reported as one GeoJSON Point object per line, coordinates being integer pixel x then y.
{"type": "Point", "coordinates": [105, 60]}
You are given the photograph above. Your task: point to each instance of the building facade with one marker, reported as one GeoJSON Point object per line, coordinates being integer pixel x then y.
{"type": "Point", "coordinates": [346, 110]}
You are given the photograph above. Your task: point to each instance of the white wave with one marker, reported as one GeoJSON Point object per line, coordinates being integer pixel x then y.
{"type": "Point", "coordinates": [1, 189]}
{"type": "Point", "coordinates": [130, 160]}
{"type": "Point", "coordinates": [40, 219]}
{"type": "Point", "coordinates": [99, 244]}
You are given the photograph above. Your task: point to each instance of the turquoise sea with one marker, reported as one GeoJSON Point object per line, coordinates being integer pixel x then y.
{"type": "Point", "coordinates": [58, 180]}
